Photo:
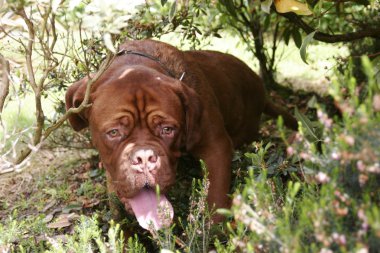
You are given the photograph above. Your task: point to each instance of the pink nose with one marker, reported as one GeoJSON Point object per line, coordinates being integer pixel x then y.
{"type": "Point", "coordinates": [144, 159]}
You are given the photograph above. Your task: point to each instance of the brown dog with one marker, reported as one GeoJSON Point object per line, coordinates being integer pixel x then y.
{"type": "Point", "coordinates": [155, 102]}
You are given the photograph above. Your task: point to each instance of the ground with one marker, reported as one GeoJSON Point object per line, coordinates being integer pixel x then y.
{"type": "Point", "coordinates": [44, 201]}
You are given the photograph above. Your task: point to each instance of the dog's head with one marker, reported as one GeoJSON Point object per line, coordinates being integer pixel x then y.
{"type": "Point", "coordinates": [139, 120]}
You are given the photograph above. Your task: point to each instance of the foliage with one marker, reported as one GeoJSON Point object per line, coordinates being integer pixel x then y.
{"type": "Point", "coordinates": [51, 44]}
{"type": "Point", "coordinates": [87, 232]}
{"type": "Point", "coordinates": [262, 28]}
{"type": "Point", "coordinates": [331, 204]}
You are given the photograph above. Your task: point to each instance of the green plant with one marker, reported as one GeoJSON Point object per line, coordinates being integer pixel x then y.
{"type": "Point", "coordinates": [196, 226]}
{"type": "Point", "coordinates": [22, 235]}
{"type": "Point", "coordinates": [331, 203]}
{"type": "Point", "coordinates": [87, 237]}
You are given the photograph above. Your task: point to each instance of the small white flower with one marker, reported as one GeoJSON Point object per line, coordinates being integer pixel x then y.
{"type": "Point", "coordinates": [362, 250]}
{"type": "Point", "coordinates": [322, 177]}
{"type": "Point", "coordinates": [290, 150]}
{"type": "Point", "coordinates": [166, 251]}
{"type": "Point", "coordinates": [360, 165]}
{"type": "Point", "coordinates": [324, 250]}
{"type": "Point", "coordinates": [335, 155]}
{"type": "Point", "coordinates": [375, 168]}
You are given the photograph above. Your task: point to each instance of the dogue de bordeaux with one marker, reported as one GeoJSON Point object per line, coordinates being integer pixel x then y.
{"type": "Point", "coordinates": [155, 102]}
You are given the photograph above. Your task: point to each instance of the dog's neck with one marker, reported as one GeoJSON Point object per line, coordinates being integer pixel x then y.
{"type": "Point", "coordinates": [168, 71]}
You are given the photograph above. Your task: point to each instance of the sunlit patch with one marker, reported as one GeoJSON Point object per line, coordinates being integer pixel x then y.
{"type": "Point", "coordinates": [125, 156]}
{"type": "Point", "coordinates": [283, 6]}
{"type": "Point", "coordinates": [129, 148]}
{"type": "Point", "coordinates": [125, 72]}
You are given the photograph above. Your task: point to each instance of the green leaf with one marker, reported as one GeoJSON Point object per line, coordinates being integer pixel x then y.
{"type": "Point", "coordinates": [308, 39]}
{"type": "Point", "coordinates": [312, 3]}
{"type": "Point", "coordinates": [307, 125]}
{"type": "Point", "coordinates": [95, 173]}
{"type": "Point", "coordinates": [72, 207]}
{"type": "Point", "coordinates": [308, 171]}
{"type": "Point", "coordinates": [197, 30]}
{"type": "Point", "coordinates": [297, 38]}
{"type": "Point", "coordinates": [217, 35]}
{"type": "Point", "coordinates": [269, 144]}
{"type": "Point", "coordinates": [173, 10]}
{"type": "Point", "coordinates": [370, 73]}
{"type": "Point", "coordinates": [225, 212]}
{"type": "Point", "coordinates": [286, 35]}
{"type": "Point", "coordinates": [229, 4]}
{"type": "Point", "coordinates": [312, 103]}
{"type": "Point", "coordinates": [293, 188]}
{"type": "Point", "coordinates": [266, 25]}
{"type": "Point", "coordinates": [163, 2]}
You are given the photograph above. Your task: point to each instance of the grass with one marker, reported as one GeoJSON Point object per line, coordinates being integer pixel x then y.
{"type": "Point", "coordinates": [29, 203]}
{"type": "Point", "coordinates": [16, 117]}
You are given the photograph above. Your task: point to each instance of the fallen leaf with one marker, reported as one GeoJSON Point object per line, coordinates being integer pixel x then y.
{"type": "Point", "coordinates": [60, 223]}
{"type": "Point", "coordinates": [48, 218]}
{"type": "Point", "coordinates": [72, 207]}
{"type": "Point", "coordinates": [50, 215]}
{"type": "Point", "coordinates": [90, 202]}
{"type": "Point", "coordinates": [82, 176]}
{"type": "Point", "coordinates": [63, 220]}
{"type": "Point", "coordinates": [49, 205]}
{"type": "Point", "coordinates": [87, 166]}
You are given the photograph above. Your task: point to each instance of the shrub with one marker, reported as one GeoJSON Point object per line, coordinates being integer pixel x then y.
{"type": "Point", "coordinates": [331, 203]}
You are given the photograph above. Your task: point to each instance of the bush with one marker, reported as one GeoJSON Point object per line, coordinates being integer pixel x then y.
{"type": "Point", "coordinates": [331, 204]}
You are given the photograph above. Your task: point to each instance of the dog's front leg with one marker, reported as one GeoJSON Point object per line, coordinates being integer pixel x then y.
{"type": "Point", "coordinates": [217, 156]}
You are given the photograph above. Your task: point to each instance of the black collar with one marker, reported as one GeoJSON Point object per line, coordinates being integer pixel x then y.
{"type": "Point", "coordinates": [126, 51]}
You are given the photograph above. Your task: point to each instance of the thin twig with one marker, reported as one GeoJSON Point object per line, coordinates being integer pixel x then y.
{"type": "Point", "coordinates": [29, 48]}
{"type": "Point", "coordinates": [274, 48]}
{"type": "Point", "coordinates": [85, 103]}
{"type": "Point", "coordinates": [4, 86]}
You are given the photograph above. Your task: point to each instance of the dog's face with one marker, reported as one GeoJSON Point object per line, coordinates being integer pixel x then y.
{"type": "Point", "coordinates": [137, 124]}
{"type": "Point", "coordinates": [139, 121]}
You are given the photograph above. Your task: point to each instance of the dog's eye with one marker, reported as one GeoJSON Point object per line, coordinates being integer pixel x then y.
{"type": "Point", "coordinates": [113, 133]}
{"type": "Point", "coordinates": [167, 131]}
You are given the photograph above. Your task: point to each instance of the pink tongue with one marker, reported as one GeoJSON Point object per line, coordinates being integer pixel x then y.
{"type": "Point", "coordinates": [150, 211]}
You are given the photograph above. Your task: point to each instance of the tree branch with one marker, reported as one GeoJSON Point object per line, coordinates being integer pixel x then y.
{"type": "Point", "coordinates": [331, 38]}
{"type": "Point", "coordinates": [86, 99]}
{"type": "Point", "coordinates": [4, 85]}
{"type": "Point", "coordinates": [29, 48]}
{"type": "Point", "coordinates": [274, 48]}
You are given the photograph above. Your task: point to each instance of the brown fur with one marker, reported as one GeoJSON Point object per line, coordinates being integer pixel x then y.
{"type": "Point", "coordinates": [215, 107]}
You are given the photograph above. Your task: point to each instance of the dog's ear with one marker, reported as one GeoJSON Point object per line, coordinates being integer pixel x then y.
{"type": "Point", "coordinates": [74, 97]}
{"type": "Point", "coordinates": [193, 114]}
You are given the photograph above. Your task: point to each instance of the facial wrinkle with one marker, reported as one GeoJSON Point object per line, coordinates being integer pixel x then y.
{"type": "Point", "coordinates": [141, 105]}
